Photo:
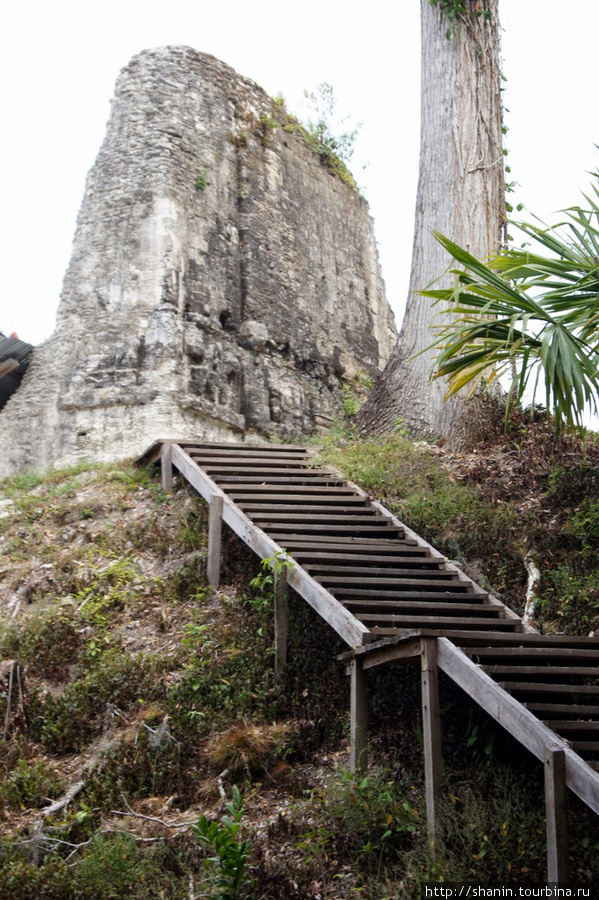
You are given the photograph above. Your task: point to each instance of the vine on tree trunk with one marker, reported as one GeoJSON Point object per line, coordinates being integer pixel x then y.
{"type": "Point", "coordinates": [457, 13]}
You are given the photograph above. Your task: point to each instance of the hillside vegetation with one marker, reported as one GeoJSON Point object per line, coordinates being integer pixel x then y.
{"type": "Point", "coordinates": [147, 749]}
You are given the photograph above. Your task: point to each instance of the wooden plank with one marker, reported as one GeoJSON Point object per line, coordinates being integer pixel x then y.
{"type": "Point", "coordinates": [253, 509]}
{"type": "Point", "coordinates": [241, 446]}
{"type": "Point", "coordinates": [444, 624]}
{"type": "Point", "coordinates": [280, 620]}
{"type": "Point", "coordinates": [392, 544]}
{"type": "Point", "coordinates": [267, 491]}
{"type": "Point", "coordinates": [245, 451]}
{"type": "Point", "coordinates": [373, 609]}
{"type": "Point", "coordinates": [563, 726]}
{"type": "Point", "coordinates": [407, 651]}
{"type": "Point", "coordinates": [274, 480]}
{"type": "Point", "coordinates": [332, 562]}
{"type": "Point", "coordinates": [345, 548]}
{"type": "Point", "coordinates": [358, 758]}
{"type": "Point", "coordinates": [467, 639]}
{"type": "Point", "coordinates": [545, 687]}
{"type": "Point", "coordinates": [166, 468]}
{"type": "Point", "coordinates": [214, 541]}
{"type": "Point", "coordinates": [442, 583]}
{"type": "Point", "coordinates": [431, 734]}
{"type": "Point", "coordinates": [531, 652]}
{"type": "Point", "coordinates": [414, 594]}
{"type": "Point", "coordinates": [249, 457]}
{"type": "Point", "coordinates": [548, 672]}
{"type": "Point", "coordinates": [566, 709]}
{"type": "Point", "coordinates": [330, 529]}
{"type": "Point", "coordinates": [356, 567]}
{"type": "Point", "coordinates": [555, 804]}
{"type": "Point", "coordinates": [309, 517]}
{"type": "Point", "coordinates": [255, 469]}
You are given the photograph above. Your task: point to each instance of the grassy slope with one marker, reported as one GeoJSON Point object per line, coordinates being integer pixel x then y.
{"type": "Point", "coordinates": [158, 694]}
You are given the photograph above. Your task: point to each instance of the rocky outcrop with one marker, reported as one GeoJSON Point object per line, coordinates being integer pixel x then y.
{"type": "Point", "coordinates": [224, 283]}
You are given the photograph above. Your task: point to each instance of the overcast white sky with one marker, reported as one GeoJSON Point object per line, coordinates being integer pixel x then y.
{"type": "Point", "coordinates": [59, 62]}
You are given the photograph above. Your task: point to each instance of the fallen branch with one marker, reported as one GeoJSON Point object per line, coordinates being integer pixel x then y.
{"type": "Point", "coordinates": [532, 587]}
{"type": "Point", "coordinates": [119, 812]}
{"type": "Point", "coordinates": [64, 800]}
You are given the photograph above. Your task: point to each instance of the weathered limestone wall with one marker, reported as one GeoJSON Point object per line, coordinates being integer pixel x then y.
{"type": "Point", "coordinates": [229, 311]}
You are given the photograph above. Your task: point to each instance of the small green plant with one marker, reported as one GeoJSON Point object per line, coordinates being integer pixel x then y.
{"type": "Point", "coordinates": [228, 866]}
{"type": "Point", "coordinates": [268, 126]}
{"type": "Point", "coordinates": [264, 583]}
{"type": "Point", "coordinates": [354, 392]}
{"type": "Point", "coordinates": [202, 179]}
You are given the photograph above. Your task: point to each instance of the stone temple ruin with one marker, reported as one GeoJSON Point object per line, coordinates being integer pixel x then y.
{"type": "Point", "coordinates": [224, 283]}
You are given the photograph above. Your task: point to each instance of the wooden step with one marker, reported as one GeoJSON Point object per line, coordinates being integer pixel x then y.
{"type": "Point", "coordinates": [283, 480]}
{"type": "Point", "coordinates": [444, 582]}
{"type": "Point", "coordinates": [446, 623]}
{"type": "Point", "coordinates": [562, 726]}
{"type": "Point", "coordinates": [315, 561]}
{"type": "Point", "coordinates": [366, 529]}
{"type": "Point", "coordinates": [548, 672]}
{"type": "Point", "coordinates": [585, 746]}
{"type": "Point", "coordinates": [323, 572]}
{"type": "Point", "coordinates": [259, 510]}
{"type": "Point", "coordinates": [530, 687]}
{"type": "Point", "coordinates": [528, 652]}
{"type": "Point", "coordinates": [302, 493]}
{"type": "Point", "coordinates": [233, 447]}
{"type": "Point", "coordinates": [526, 639]}
{"type": "Point", "coordinates": [309, 518]}
{"type": "Point", "coordinates": [323, 547]}
{"type": "Point", "coordinates": [563, 709]}
{"type": "Point", "coordinates": [382, 612]}
{"type": "Point", "coordinates": [221, 463]}
{"type": "Point", "coordinates": [415, 594]}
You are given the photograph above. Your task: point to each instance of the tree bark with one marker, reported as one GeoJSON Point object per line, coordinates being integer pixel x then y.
{"type": "Point", "coordinates": [461, 193]}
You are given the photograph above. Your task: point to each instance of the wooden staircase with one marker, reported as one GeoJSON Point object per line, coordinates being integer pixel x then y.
{"type": "Point", "coordinates": [394, 598]}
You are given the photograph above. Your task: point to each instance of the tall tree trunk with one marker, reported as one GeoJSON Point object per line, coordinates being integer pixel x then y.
{"type": "Point", "coordinates": [461, 193]}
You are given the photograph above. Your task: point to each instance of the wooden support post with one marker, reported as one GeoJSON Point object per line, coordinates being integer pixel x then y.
{"type": "Point", "coordinates": [280, 620]}
{"type": "Point", "coordinates": [214, 539]}
{"type": "Point", "coordinates": [431, 733]}
{"type": "Point", "coordinates": [555, 802]}
{"type": "Point", "coordinates": [358, 759]}
{"type": "Point", "coordinates": [166, 464]}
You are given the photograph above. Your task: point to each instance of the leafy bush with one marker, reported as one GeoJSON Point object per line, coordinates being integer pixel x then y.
{"type": "Point", "coordinates": [370, 818]}
{"type": "Point", "coordinates": [64, 724]}
{"type": "Point", "coordinates": [30, 785]}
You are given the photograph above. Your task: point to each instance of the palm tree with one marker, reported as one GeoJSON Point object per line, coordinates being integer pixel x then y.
{"type": "Point", "coordinates": [526, 314]}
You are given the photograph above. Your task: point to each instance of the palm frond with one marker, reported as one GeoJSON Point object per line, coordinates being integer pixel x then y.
{"type": "Point", "coordinates": [527, 313]}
